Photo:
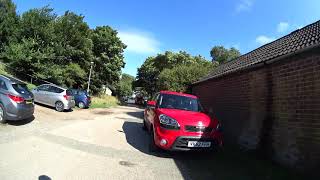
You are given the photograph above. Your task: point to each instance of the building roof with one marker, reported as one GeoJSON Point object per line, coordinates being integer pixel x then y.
{"type": "Point", "coordinates": [301, 39]}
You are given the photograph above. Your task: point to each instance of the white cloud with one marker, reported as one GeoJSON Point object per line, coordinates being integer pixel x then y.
{"type": "Point", "coordinates": [139, 42]}
{"type": "Point", "coordinates": [264, 39]}
{"type": "Point", "coordinates": [244, 5]}
{"type": "Point", "coordinates": [282, 27]}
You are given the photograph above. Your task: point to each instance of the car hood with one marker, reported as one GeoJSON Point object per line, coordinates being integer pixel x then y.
{"type": "Point", "coordinates": [187, 117]}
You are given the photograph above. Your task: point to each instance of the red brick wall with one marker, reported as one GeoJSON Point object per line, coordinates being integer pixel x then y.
{"type": "Point", "coordinates": [275, 107]}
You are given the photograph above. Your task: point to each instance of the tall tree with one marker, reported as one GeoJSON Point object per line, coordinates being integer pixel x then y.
{"type": "Point", "coordinates": [8, 23]}
{"type": "Point", "coordinates": [124, 86]}
{"type": "Point", "coordinates": [221, 55]}
{"type": "Point", "coordinates": [60, 49]}
{"type": "Point", "coordinates": [150, 70]}
{"type": "Point", "coordinates": [32, 51]}
{"type": "Point", "coordinates": [182, 76]}
{"type": "Point", "coordinates": [108, 56]}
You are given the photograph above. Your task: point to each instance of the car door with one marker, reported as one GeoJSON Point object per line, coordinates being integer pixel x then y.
{"type": "Point", "coordinates": [53, 95]}
{"type": "Point", "coordinates": [40, 94]}
{"type": "Point", "coordinates": [3, 92]}
{"type": "Point", "coordinates": [151, 111]}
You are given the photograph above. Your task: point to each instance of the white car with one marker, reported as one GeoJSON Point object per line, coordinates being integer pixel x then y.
{"type": "Point", "coordinates": [54, 96]}
{"type": "Point", "coordinates": [131, 100]}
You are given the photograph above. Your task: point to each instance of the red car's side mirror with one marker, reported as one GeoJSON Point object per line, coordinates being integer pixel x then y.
{"type": "Point", "coordinates": [151, 103]}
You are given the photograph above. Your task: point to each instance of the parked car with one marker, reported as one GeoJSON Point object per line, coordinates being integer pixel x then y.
{"type": "Point", "coordinates": [55, 96]}
{"type": "Point", "coordinates": [16, 101]}
{"type": "Point", "coordinates": [81, 97]}
{"type": "Point", "coordinates": [131, 100]}
{"type": "Point", "coordinates": [176, 121]}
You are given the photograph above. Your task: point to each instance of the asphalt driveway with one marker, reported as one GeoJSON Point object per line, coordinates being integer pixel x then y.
{"type": "Point", "coordinates": [109, 144]}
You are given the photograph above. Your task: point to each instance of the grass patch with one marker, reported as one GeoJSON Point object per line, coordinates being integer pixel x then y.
{"type": "Point", "coordinates": [104, 101]}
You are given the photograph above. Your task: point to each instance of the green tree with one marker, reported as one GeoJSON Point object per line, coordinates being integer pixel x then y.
{"type": "Point", "coordinates": [73, 43]}
{"type": "Point", "coordinates": [108, 56]}
{"type": "Point", "coordinates": [8, 23]}
{"type": "Point", "coordinates": [59, 49]}
{"type": "Point", "coordinates": [180, 77]}
{"type": "Point", "coordinates": [124, 86]}
{"type": "Point", "coordinates": [32, 52]}
{"type": "Point", "coordinates": [221, 55]}
{"type": "Point", "coordinates": [149, 72]}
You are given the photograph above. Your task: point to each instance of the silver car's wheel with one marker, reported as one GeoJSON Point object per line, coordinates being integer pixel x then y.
{"type": "Point", "coordinates": [81, 105]}
{"type": "Point", "coordinates": [2, 114]}
{"type": "Point", "coordinates": [59, 106]}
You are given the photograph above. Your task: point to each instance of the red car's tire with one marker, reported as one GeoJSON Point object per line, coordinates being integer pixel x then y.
{"type": "Point", "coordinates": [152, 146]}
{"type": "Point", "coordinates": [144, 127]}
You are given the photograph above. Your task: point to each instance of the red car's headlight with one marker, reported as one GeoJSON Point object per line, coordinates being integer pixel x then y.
{"type": "Point", "coordinates": [168, 122]}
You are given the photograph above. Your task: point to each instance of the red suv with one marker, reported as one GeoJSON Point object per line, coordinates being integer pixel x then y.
{"type": "Point", "coordinates": [176, 121]}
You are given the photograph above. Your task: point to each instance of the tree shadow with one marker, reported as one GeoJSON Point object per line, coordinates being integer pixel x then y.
{"type": "Point", "coordinates": [21, 122]}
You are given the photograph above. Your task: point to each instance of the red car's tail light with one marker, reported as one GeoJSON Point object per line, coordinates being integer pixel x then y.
{"type": "Point", "coordinates": [16, 99]}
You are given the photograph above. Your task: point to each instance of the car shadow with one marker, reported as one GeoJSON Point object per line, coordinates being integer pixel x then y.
{"type": "Point", "coordinates": [229, 163]}
{"type": "Point", "coordinates": [21, 122]}
{"type": "Point", "coordinates": [138, 114]}
{"type": "Point", "coordinates": [190, 164]}
{"type": "Point", "coordinates": [140, 139]}
{"type": "Point", "coordinates": [52, 108]}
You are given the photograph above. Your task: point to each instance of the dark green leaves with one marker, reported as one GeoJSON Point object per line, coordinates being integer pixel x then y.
{"type": "Point", "coordinates": [59, 49]}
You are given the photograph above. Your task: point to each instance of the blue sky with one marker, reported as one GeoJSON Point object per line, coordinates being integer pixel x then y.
{"type": "Point", "coordinates": [149, 27]}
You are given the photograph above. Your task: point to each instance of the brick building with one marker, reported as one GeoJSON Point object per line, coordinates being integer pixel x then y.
{"type": "Point", "coordinates": [269, 98]}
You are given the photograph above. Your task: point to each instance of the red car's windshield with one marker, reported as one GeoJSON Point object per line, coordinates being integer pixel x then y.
{"type": "Point", "coordinates": [170, 101]}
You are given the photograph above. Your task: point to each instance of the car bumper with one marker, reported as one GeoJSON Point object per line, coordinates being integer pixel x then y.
{"type": "Point", "coordinates": [178, 141]}
{"type": "Point", "coordinates": [69, 105]}
{"type": "Point", "coordinates": [20, 114]}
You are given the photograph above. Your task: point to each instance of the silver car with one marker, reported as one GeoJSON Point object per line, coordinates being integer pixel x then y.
{"type": "Point", "coordinates": [55, 96]}
{"type": "Point", "coordinates": [16, 101]}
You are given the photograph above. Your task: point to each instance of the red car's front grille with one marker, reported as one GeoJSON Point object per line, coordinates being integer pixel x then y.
{"type": "Point", "coordinates": [198, 129]}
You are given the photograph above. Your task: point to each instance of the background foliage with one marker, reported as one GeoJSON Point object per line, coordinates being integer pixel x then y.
{"type": "Point", "coordinates": [221, 54]}
{"type": "Point", "coordinates": [58, 49]}
{"type": "Point", "coordinates": [124, 87]}
{"type": "Point", "coordinates": [171, 71]}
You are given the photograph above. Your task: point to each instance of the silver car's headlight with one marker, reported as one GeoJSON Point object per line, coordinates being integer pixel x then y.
{"type": "Point", "coordinates": [168, 122]}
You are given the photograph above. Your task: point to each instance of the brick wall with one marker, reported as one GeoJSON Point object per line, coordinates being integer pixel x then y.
{"type": "Point", "coordinates": [275, 107]}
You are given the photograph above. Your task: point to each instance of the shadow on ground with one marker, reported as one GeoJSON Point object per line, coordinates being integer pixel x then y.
{"type": "Point", "coordinates": [50, 107]}
{"type": "Point", "coordinates": [21, 122]}
{"type": "Point", "coordinates": [136, 114]}
{"type": "Point", "coordinates": [229, 163]}
{"type": "Point", "coordinates": [44, 177]}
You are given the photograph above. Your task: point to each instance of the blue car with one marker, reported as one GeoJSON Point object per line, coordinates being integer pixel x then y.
{"type": "Point", "coordinates": [81, 97]}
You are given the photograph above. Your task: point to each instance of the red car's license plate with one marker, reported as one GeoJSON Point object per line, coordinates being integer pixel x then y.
{"type": "Point", "coordinates": [199, 144]}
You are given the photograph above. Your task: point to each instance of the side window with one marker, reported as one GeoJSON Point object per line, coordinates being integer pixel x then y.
{"type": "Point", "coordinates": [44, 88]}
{"type": "Point", "coordinates": [3, 85]}
{"type": "Point", "coordinates": [55, 89]}
{"type": "Point", "coordinates": [157, 99]}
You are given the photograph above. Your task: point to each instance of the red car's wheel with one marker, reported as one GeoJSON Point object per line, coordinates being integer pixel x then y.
{"type": "Point", "coordinates": [152, 146]}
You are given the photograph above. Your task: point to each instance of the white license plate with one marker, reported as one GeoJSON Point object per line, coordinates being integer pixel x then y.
{"type": "Point", "coordinates": [199, 144]}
